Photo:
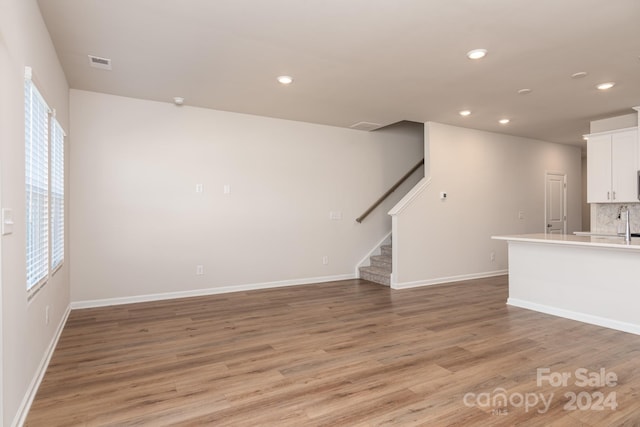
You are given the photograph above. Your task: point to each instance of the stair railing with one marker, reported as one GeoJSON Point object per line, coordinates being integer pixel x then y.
{"type": "Point", "coordinates": [393, 188]}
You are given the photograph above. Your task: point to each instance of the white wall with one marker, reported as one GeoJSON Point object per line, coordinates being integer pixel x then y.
{"type": "Point", "coordinates": [489, 178]}
{"type": "Point", "coordinates": [24, 41]}
{"type": "Point", "coordinates": [139, 228]}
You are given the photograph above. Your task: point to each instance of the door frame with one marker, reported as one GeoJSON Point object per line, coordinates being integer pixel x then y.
{"type": "Point", "coordinates": [547, 173]}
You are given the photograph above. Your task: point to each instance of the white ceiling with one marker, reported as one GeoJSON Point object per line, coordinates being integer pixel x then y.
{"type": "Point", "coordinates": [378, 61]}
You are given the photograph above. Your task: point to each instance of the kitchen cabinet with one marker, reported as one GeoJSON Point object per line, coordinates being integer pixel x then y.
{"type": "Point", "coordinates": [612, 166]}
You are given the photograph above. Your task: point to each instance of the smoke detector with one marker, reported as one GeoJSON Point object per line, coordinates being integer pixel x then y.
{"type": "Point", "coordinates": [98, 62]}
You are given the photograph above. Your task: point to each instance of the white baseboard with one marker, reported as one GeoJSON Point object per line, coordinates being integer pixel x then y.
{"type": "Point", "coordinates": [208, 291]}
{"type": "Point", "coordinates": [25, 405]}
{"type": "Point", "coordinates": [450, 279]}
{"type": "Point", "coordinates": [574, 315]}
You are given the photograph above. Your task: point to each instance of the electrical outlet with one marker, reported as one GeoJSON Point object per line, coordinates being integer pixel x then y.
{"type": "Point", "coordinates": [199, 188]}
{"type": "Point", "coordinates": [226, 189]}
{"type": "Point", "coordinates": [325, 260]}
{"type": "Point", "coordinates": [199, 270]}
{"type": "Point", "coordinates": [492, 256]}
{"type": "Point", "coordinates": [520, 214]}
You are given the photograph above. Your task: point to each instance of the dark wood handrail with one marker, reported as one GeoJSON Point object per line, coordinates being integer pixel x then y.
{"type": "Point", "coordinates": [389, 191]}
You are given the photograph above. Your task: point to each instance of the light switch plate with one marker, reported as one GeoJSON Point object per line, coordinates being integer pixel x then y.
{"type": "Point", "coordinates": [7, 221]}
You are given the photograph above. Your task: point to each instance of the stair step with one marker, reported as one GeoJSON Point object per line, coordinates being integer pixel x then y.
{"type": "Point", "coordinates": [386, 250]}
{"type": "Point", "coordinates": [381, 261]}
{"type": "Point", "coordinates": [376, 270]}
{"type": "Point", "coordinates": [376, 275]}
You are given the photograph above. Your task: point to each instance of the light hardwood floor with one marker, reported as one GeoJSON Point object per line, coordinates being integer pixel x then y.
{"type": "Point", "coordinates": [335, 354]}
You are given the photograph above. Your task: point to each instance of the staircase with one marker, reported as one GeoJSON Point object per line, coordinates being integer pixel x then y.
{"type": "Point", "coordinates": [380, 269]}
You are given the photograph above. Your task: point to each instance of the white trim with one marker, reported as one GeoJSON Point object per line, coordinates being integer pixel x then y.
{"type": "Point", "coordinates": [27, 400]}
{"type": "Point", "coordinates": [364, 262]}
{"type": "Point", "coordinates": [609, 132]}
{"type": "Point", "coordinates": [575, 315]}
{"type": "Point", "coordinates": [394, 253]}
{"type": "Point", "coordinates": [410, 196]}
{"type": "Point", "coordinates": [451, 279]}
{"type": "Point", "coordinates": [207, 291]}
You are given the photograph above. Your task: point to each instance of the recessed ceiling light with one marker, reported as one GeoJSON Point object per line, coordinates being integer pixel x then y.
{"type": "Point", "coordinates": [503, 121]}
{"type": "Point", "coordinates": [285, 80]}
{"type": "Point", "coordinates": [524, 91]}
{"type": "Point", "coordinates": [579, 75]}
{"type": "Point", "coordinates": [477, 53]}
{"type": "Point", "coordinates": [465, 113]}
{"type": "Point", "coordinates": [178, 100]}
{"type": "Point", "coordinates": [605, 86]}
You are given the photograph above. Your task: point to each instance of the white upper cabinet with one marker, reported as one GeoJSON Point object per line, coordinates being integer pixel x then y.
{"type": "Point", "coordinates": [599, 169]}
{"type": "Point", "coordinates": [612, 167]}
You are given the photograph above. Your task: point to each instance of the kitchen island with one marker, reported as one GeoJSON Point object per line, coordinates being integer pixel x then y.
{"type": "Point", "coordinates": [592, 279]}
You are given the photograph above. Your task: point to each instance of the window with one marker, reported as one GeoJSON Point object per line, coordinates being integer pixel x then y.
{"type": "Point", "coordinates": [36, 118]}
{"type": "Point", "coordinates": [44, 186]}
{"type": "Point", "coordinates": [57, 194]}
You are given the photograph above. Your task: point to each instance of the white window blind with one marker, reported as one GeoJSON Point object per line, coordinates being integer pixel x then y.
{"type": "Point", "coordinates": [57, 194]}
{"type": "Point", "coordinates": [37, 184]}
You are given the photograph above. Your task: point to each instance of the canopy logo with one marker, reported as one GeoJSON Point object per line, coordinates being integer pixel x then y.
{"type": "Point", "coordinates": [500, 401]}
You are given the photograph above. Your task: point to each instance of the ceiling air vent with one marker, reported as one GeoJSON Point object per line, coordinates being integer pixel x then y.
{"type": "Point", "coordinates": [98, 62]}
{"type": "Point", "coordinates": [365, 126]}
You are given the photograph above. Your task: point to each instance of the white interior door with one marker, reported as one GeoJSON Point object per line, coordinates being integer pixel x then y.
{"type": "Point", "coordinates": [555, 203]}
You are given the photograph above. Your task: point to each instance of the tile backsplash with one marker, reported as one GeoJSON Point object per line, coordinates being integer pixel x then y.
{"type": "Point", "coordinates": [607, 217]}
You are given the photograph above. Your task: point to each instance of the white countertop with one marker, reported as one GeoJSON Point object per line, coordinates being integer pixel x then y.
{"type": "Point", "coordinates": [612, 242]}
{"type": "Point", "coordinates": [589, 233]}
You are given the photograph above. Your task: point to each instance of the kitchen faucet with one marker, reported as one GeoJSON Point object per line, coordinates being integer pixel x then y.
{"type": "Point", "coordinates": [627, 228]}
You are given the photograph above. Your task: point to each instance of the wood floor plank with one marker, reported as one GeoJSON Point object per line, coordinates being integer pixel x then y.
{"type": "Point", "coordinates": [348, 353]}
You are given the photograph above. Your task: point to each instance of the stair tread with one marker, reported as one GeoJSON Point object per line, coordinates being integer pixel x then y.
{"type": "Point", "coordinates": [381, 279]}
{"type": "Point", "coordinates": [376, 270]}
{"type": "Point", "coordinates": [381, 267]}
